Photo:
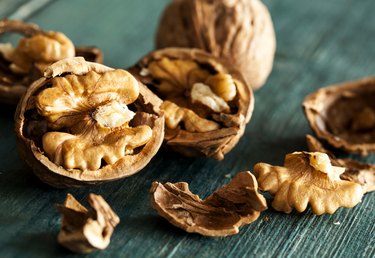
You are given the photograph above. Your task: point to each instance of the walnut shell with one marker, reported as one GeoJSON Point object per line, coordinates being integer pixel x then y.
{"type": "Point", "coordinates": [81, 112]}
{"type": "Point", "coordinates": [240, 31]}
{"type": "Point", "coordinates": [220, 132]}
{"type": "Point", "coordinates": [221, 214]}
{"type": "Point", "coordinates": [343, 115]}
{"type": "Point", "coordinates": [13, 85]}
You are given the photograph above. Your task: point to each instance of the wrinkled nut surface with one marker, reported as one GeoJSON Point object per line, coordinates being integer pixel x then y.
{"type": "Point", "coordinates": [343, 115]}
{"type": "Point", "coordinates": [21, 65]}
{"type": "Point", "coordinates": [206, 103]}
{"type": "Point", "coordinates": [239, 31]}
{"type": "Point", "coordinates": [355, 171]}
{"type": "Point", "coordinates": [86, 230]}
{"type": "Point", "coordinates": [85, 123]}
{"type": "Point", "coordinates": [307, 178]}
{"type": "Point", "coordinates": [221, 214]}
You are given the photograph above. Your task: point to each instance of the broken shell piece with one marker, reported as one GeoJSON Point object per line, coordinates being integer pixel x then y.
{"type": "Point", "coordinates": [207, 102]}
{"type": "Point", "coordinates": [86, 230]}
{"type": "Point", "coordinates": [344, 115]}
{"type": "Point", "coordinates": [21, 65]}
{"type": "Point", "coordinates": [85, 123]}
{"type": "Point", "coordinates": [221, 214]}
{"type": "Point", "coordinates": [355, 171]}
{"type": "Point", "coordinates": [307, 178]}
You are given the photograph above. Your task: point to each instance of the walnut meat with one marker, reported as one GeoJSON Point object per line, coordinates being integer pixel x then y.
{"type": "Point", "coordinates": [206, 103]}
{"type": "Point", "coordinates": [240, 31]}
{"type": "Point", "coordinates": [86, 230]}
{"type": "Point", "coordinates": [355, 171]}
{"type": "Point", "coordinates": [21, 65]}
{"type": "Point", "coordinates": [307, 178]}
{"type": "Point", "coordinates": [221, 214]}
{"type": "Point", "coordinates": [343, 115]}
{"type": "Point", "coordinates": [85, 123]}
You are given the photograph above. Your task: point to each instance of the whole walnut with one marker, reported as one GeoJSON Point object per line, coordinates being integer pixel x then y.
{"type": "Point", "coordinates": [240, 31]}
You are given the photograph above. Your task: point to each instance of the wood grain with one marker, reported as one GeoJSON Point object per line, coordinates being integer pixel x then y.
{"type": "Point", "coordinates": [319, 43]}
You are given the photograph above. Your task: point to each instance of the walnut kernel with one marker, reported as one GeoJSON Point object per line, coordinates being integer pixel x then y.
{"type": "Point", "coordinates": [307, 178]}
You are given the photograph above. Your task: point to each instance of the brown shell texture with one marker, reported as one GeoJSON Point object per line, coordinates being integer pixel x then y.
{"type": "Point", "coordinates": [355, 171]}
{"type": "Point", "coordinates": [220, 214]}
{"type": "Point", "coordinates": [86, 230]}
{"type": "Point", "coordinates": [215, 143]}
{"type": "Point", "coordinates": [343, 115]}
{"type": "Point", "coordinates": [31, 127]}
{"type": "Point", "coordinates": [240, 31]}
{"type": "Point", "coordinates": [13, 85]}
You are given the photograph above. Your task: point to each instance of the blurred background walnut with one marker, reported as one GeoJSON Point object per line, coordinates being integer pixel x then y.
{"type": "Point", "coordinates": [307, 178]}
{"type": "Point", "coordinates": [21, 65]}
{"type": "Point", "coordinates": [88, 123]}
{"type": "Point", "coordinates": [206, 102]}
{"type": "Point", "coordinates": [86, 230]}
{"type": "Point", "coordinates": [240, 31]}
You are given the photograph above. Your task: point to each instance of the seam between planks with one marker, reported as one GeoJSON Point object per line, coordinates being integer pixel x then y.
{"type": "Point", "coordinates": [26, 10]}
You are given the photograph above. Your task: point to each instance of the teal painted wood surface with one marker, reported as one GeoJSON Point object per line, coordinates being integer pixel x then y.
{"type": "Point", "coordinates": [319, 43]}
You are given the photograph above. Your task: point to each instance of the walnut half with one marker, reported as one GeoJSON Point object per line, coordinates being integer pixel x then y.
{"type": "Point", "coordinates": [221, 214]}
{"type": "Point", "coordinates": [307, 178]}
{"type": "Point", "coordinates": [206, 102]}
{"type": "Point", "coordinates": [343, 115]}
{"type": "Point", "coordinates": [86, 230]}
{"type": "Point", "coordinates": [21, 65]}
{"type": "Point", "coordinates": [85, 123]}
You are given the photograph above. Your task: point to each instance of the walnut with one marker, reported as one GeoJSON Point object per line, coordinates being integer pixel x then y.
{"type": "Point", "coordinates": [86, 230]}
{"type": "Point", "coordinates": [343, 115]}
{"type": "Point", "coordinates": [21, 65]}
{"type": "Point", "coordinates": [355, 171]}
{"type": "Point", "coordinates": [221, 214]}
{"type": "Point", "coordinates": [307, 177]}
{"type": "Point", "coordinates": [85, 123]}
{"type": "Point", "coordinates": [206, 102]}
{"type": "Point", "coordinates": [239, 31]}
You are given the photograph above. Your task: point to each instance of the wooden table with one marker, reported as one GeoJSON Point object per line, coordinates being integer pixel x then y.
{"type": "Point", "coordinates": [319, 43]}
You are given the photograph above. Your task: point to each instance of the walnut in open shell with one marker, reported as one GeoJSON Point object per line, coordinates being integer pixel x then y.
{"type": "Point", "coordinates": [343, 115]}
{"type": "Point", "coordinates": [206, 102]}
{"type": "Point", "coordinates": [240, 31]}
{"type": "Point", "coordinates": [85, 123]}
{"type": "Point", "coordinates": [221, 214]}
{"type": "Point", "coordinates": [21, 65]}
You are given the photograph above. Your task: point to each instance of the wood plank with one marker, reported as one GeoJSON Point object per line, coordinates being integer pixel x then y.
{"type": "Point", "coordinates": [319, 43]}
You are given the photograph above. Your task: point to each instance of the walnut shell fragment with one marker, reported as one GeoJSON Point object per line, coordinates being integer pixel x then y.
{"type": "Point", "coordinates": [355, 171]}
{"type": "Point", "coordinates": [307, 178]}
{"type": "Point", "coordinates": [221, 214]}
{"type": "Point", "coordinates": [239, 31]}
{"type": "Point", "coordinates": [343, 115]}
{"type": "Point", "coordinates": [206, 102]}
{"type": "Point", "coordinates": [21, 65]}
{"type": "Point", "coordinates": [86, 230]}
{"type": "Point", "coordinates": [85, 123]}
